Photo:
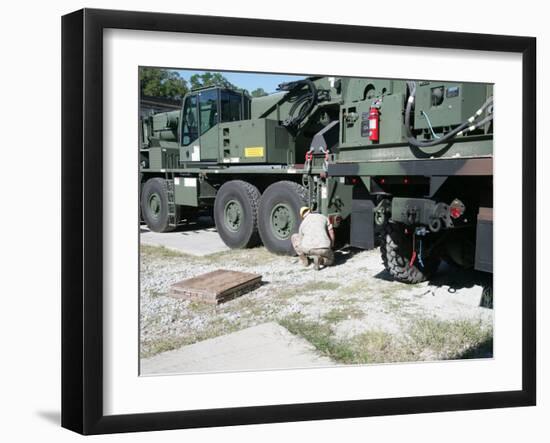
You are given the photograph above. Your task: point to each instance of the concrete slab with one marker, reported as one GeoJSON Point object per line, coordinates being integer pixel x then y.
{"type": "Point", "coordinates": [266, 346]}
{"type": "Point", "coordinates": [196, 240]}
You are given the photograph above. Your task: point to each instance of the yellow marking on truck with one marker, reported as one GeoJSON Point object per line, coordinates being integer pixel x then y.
{"type": "Point", "coordinates": [254, 151]}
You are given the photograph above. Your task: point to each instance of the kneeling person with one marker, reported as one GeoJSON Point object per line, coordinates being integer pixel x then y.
{"type": "Point", "coordinates": [315, 238]}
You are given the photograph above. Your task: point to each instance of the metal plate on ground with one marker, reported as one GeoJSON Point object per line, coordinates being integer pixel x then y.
{"type": "Point", "coordinates": [216, 286]}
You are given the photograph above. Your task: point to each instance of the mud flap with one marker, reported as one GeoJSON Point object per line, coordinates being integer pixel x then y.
{"type": "Point", "coordinates": [484, 240]}
{"type": "Point", "coordinates": [362, 224]}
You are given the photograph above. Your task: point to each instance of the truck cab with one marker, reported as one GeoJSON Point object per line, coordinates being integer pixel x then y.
{"type": "Point", "coordinates": [202, 112]}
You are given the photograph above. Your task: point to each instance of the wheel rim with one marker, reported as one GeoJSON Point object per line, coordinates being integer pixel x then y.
{"type": "Point", "coordinates": [155, 205]}
{"type": "Point", "coordinates": [233, 215]}
{"type": "Point", "coordinates": [282, 221]}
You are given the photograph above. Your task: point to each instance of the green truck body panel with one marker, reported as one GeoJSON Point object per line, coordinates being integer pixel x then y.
{"type": "Point", "coordinates": [162, 158]}
{"type": "Point", "coordinates": [458, 102]}
{"type": "Point", "coordinates": [336, 197]}
{"type": "Point", "coordinates": [190, 191]}
{"type": "Point", "coordinates": [186, 191]}
{"type": "Point", "coordinates": [255, 141]}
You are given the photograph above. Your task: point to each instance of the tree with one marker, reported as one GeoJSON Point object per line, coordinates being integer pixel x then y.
{"type": "Point", "coordinates": [158, 82]}
{"type": "Point", "coordinates": [210, 79]}
{"type": "Point", "coordinates": [259, 92]}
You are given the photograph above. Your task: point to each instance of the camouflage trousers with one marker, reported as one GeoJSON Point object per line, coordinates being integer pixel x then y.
{"type": "Point", "coordinates": [326, 253]}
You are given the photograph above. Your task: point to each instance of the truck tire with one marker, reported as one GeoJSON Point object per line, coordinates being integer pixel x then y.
{"type": "Point", "coordinates": [154, 205]}
{"type": "Point", "coordinates": [396, 249]}
{"type": "Point", "coordinates": [486, 300]}
{"type": "Point", "coordinates": [279, 215]}
{"type": "Point", "coordinates": [236, 214]}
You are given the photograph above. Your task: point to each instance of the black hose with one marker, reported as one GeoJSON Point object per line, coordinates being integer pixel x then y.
{"type": "Point", "coordinates": [310, 97]}
{"type": "Point", "coordinates": [480, 123]}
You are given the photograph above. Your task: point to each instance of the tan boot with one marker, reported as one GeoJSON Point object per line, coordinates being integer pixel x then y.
{"type": "Point", "coordinates": [317, 262]}
{"type": "Point", "coordinates": [304, 260]}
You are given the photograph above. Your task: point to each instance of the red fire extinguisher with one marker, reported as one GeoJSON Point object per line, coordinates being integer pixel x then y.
{"type": "Point", "coordinates": [374, 120]}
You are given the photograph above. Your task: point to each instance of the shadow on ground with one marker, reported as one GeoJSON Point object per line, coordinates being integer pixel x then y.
{"type": "Point", "coordinates": [203, 222]}
{"type": "Point", "coordinates": [459, 278]}
{"type": "Point", "coordinates": [482, 350]}
{"type": "Point", "coordinates": [450, 275]}
{"type": "Point", "coordinates": [54, 417]}
{"type": "Point", "coordinates": [342, 255]}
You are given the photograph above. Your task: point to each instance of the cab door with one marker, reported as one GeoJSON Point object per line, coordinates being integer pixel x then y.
{"type": "Point", "coordinates": [208, 118]}
{"type": "Point", "coordinates": [190, 150]}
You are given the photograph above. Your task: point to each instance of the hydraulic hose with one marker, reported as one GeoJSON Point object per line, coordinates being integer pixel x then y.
{"type": "Point", "coordinates": [465, 126]}
{"type": "Point", "coordinates": [478, 124]}
{"type": "Point", "coordinates": [309, 97]}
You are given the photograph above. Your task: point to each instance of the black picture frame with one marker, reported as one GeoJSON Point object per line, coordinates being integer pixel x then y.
{"type": "Point", "coordinates": [82, 217]}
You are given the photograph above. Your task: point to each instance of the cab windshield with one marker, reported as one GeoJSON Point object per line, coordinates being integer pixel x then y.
{"type": "Point", "coordinates": [201, 111]}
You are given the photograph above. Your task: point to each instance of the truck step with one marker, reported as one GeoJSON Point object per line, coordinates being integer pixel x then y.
{"type": "Point", "coordinates": [172, 218]}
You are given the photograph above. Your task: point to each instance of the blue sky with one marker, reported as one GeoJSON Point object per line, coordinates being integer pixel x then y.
{"type": "Point", "coordinates": [249, 81]}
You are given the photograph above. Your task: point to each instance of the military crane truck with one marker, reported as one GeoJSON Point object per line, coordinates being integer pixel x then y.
{"type": "Point", "coordinates": [410, 160]}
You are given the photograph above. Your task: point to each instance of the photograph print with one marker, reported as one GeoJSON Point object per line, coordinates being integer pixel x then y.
{"type": "Point", "coordinates": [301, 221]}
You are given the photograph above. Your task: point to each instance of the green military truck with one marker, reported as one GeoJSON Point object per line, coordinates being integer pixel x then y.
{"type": "Point", "coordinates": [403, 164]}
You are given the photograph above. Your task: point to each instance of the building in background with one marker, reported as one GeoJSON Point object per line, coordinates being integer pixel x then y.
{"type": "Point", "coordinates": [152, 105]}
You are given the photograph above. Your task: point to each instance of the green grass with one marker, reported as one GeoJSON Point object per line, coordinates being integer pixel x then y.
{"type": "Point", "coordinates": [199, 307]}
{"type": "Point", "coordinates": [357, 287]}
{"type": "Point", "coordinates": [369, 347]}
{"type": "Point", "coordinates": [149, 251]}
{"type": "Point", "coordinates": [216, 328]}
{"type": "Point", "coordinates": [365, 286]}
{"type": "Point", "coordinates": [320, 335]}
{"type": "Point", "coordinates": [242, 257]}
{"type": "Point", "coordinates": [379, 347]}
{"type": "Point", "coordinates": [246, 305]}
{"type": "Point", "coordinates": [337, 315]}
{"type": "Point", "coordinates": [155, 294]}
{"type": "Point", "coordinates": [313, 286]}
{"type": "Point", "coordinates": [427, 339]}
{"type": "Point", "coordinates": [451, 339]}
{"type": "Point", "coordinates": [394, 304]}
{"type": "Point", "coordinates": [168, 343]}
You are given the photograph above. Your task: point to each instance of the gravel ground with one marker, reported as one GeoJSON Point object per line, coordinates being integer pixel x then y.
{"type": "Point", "coordinates": [352, 312]}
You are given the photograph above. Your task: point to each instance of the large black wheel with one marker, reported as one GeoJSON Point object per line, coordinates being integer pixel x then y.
{"type": "Point", "coordinates": [396, 249]}
{"type": "Point", "coordinates": [486, 300]}
{"type": "Point", "coordinates": [236, 214]}
{"type": "Point", "coordinates": [279, 215]}
{"type": "Point", "coordinates": [154, 205]}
